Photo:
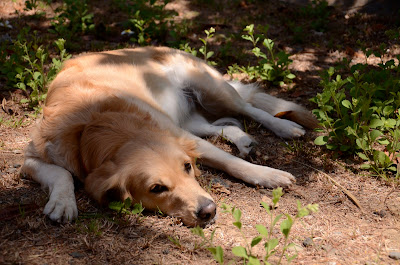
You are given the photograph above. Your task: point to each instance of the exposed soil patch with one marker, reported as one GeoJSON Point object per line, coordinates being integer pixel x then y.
{"type": "Point", "coordinates": [341, 232]}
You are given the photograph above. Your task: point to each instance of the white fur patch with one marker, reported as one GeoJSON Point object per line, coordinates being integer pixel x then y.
{"type": "Point", "coordinates": [61, 206]}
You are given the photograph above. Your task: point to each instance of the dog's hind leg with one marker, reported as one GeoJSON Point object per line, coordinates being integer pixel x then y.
{"type": "Point", "coordinates": [199, 126]}
{"type": "Point", "coordinates": [61, 206]}
{"type": "Point", "coordinates": [218, 97]}
{"type": "Point", "coordinates": [275, 106]}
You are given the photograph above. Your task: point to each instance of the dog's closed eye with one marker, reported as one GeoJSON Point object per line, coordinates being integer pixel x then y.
{"type": "Point", "coordinates": [188, 167]}
{"type": "Point", "coordinates": [158, 188]}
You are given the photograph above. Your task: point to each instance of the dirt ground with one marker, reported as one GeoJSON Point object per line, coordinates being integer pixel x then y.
{"type": "Point", "coordinates": [342, 233]}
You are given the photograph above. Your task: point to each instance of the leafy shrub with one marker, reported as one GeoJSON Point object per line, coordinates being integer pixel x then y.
{"type": "Point", "coordinates": [34, 79]}
{"type": "Point", "coordinates": [203, 49]}
{"type": "Point", "coordinates": [148, 20]}
{"type": "Point", "coordinates": [360, 114]}
{"type": "Point", "coordinates": [318, 13]}
{"type": "Point", "coordinates": [271, 242]}
{"type": "Point", "coordinates": [272, 67]}
{"type": "Point", "coordinates": [72, 18]}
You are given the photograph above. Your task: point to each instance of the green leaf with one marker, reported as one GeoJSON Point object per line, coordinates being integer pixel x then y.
{"type": "Point", "coordinates": [262, 230]}
{"type": "Point", "coordinates": [365, 166]}
{"type": "Point", "coordinates": [383, 141]}
{"type": "Point", "coordinates": [301, 211]}
{"type": "Point", "coordinates": [321, 140]}
{"type": "Point", "coordinates": [271, 244]}
{"type": "Point", "coordinates": [240, 251]}
{"type": "Point", "coordinates": [253, 261]}
{"type": "Point", "coordinates": [363, 156]}
{"type": "Point", "coordinates": [277, 218]}
{"type": "Point", "coordinates": [276, 195]}
{"type": "Point", "coordinates": [128, 203]}
{"type": "Point", "coordinates": [237, 214]}
{"type": "Point", "coordinates": [238, 225]}
{"type": "Point", "coordinates": [137, 208]}
{"type": "Point", "coordinates": [347, 104]}
{"type": "Point", "coordinates": [381, 157]}
{"type": "Point", "coordinates": [256, 240]}
{"type": "Point", "coordinates": [218, 254]}
{"type": "Point", "coordinates": [266, 207]}
{"type": "Point", "coordinates": [247, 37]}
{"type": "Point", "coordinates": [362, 144]}
{"type": "Point", "coordinates": [291, 76]}
{"type": "Point", "coordinates": [197, 231]}
{"type": "Point", "coordinates": [286, 225]}
{"type": "Point", "coordinates": [116, 206]}
{"type": "Point", "coordinates": [290, 258]}
{"type": "Point", "coordinates": [36, 75]}
{"type": "Point", "coordinates": [331, 71]}
{"type": "Point", "coordinates": [374, 134]}
{"type": "Point", "coordinates": [269, 44]}
{"type": "Point", "coordinates": [376, 123]}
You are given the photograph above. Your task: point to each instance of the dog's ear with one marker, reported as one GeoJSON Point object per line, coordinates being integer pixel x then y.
{"type": "Point", "coordinates": [190, 147]}
{"type": "Point", "coordinates": [105, 184]}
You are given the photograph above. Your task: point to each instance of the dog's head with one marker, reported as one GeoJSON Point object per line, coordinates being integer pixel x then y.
{"type": "Point", "coordinates": [153, 168]}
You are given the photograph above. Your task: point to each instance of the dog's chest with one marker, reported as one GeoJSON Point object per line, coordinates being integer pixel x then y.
{"type": "Point", "coordinates": [175, 103]}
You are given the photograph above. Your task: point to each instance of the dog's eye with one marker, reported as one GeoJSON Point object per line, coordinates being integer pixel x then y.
{"type": "Point", "coordinates": [157, 188]}
{"type": "Point", "coordinates": [188, 167]}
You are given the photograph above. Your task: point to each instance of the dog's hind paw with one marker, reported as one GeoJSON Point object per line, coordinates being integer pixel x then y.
{"type": "Point", "coordinates": [61, 206]}
{"type": "Point", "coordinates": [287, 129]}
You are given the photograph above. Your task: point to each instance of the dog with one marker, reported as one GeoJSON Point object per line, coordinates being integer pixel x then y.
{"type": "Point", "coordinates": [127, 123]}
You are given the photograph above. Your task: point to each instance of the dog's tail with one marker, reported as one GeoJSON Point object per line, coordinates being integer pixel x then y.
{"type": "Point", "coordinates": [275, 106]}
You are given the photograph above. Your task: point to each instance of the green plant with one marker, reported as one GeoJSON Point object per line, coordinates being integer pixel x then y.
{"type": "Point", "coordinates": [14, 121]}
{"type": "Point", "coordinates": [37, 6]}
{"type": "Point", "coordinates": [360, 114]}
{"type": "Point", "coordinates": [203, 49]}
{"type": "Point", "coordinates": [271, 242]}
{"type": "Point", "coordinates": [126, 207]}
{"type": "Point", "coordinates": [11, 57]}
{"type": "Point", "coordinates": [72, 18]}
{"type": "Point", "coordinates": [294, 146]}
{"type": "Point", "coordinates": [318, 13]}
{"type": "Point", "coordinates": [148, 21]}
{"type": "Point", "coordinates": [186, 47]}
{"type": "Point", "coordinates": [207, 243]}
{"type": "Point", "coordinates": [34, 79]}
{"type": "Point", "coordinates": [273, 67]}
{"type": "Point", "coordinates": [89, 225]}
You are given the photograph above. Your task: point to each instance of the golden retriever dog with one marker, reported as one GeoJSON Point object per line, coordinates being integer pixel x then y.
{"type": "Point", "coordinates": [127, 123]}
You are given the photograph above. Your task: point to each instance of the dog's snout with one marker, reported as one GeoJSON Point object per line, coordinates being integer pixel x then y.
{"type": "Point", "coordinates": [207, 211]}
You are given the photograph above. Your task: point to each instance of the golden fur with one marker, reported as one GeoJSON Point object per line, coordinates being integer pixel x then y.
{"type": "Point", "coordinates": [114, 119]}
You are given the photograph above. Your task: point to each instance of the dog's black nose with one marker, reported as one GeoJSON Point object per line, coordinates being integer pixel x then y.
{"type": "Point", "coordinates": [207, 211]}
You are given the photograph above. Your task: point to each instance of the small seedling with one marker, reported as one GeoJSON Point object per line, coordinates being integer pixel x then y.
{"type": "Point", "coordinates": [203, 49]}
{"type": "Point", "coordinates": [273, 66]}
{"type": "Point", "coordinates": [271, 242]}
{"type": "Point", "coordinates": [126, 208]}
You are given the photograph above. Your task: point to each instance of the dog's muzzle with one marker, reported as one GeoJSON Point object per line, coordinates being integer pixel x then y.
{"type": "Point", "coordinates": [207, 211]}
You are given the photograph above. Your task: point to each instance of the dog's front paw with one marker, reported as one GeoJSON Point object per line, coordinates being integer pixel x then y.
{"type": "Point", "coordinates": [287, 129]}
{"type": "Point", "coordinates": [242, 140]}
{"type": "Point", "coordinates": [269, 177]}
{"type": "Point", "coordinates": [61, 206]}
